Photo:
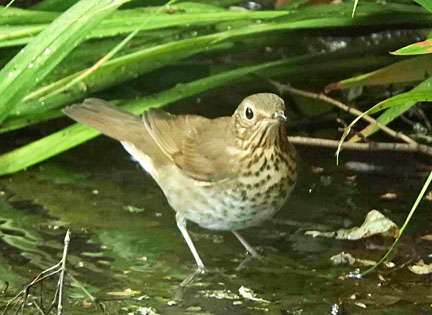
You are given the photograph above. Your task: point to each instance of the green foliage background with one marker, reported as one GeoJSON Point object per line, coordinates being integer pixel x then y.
{"type": "Point", "coordinates": [60, 52]}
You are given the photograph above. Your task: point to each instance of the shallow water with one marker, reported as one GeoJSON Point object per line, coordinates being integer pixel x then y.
{"type": "Point", "coordinates": [127, 252]}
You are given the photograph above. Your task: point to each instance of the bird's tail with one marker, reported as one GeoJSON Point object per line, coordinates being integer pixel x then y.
{"type": "Point", "coordinates": [108, 119]}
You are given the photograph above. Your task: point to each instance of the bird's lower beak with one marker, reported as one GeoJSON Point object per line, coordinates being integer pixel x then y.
{"type": "Point", "coordinates": [280, 116]}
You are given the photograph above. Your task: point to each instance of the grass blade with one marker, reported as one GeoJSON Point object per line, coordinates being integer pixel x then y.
{"type": "Point", "coordinates": [130, 66]}
{"type": "Point", "coordinates": [409, 70]}
{"type": "Point", "coordinates": [427, 4]}
{"type": "Point", "coordinates": [413, 96]}
{"type": "Point", "coordinates": [392, 113]}
{"type": "Point", "coordinates": [420, 48]}
{"type": "Point", "coordinates": [48, 49]}
{"type": "Point", "coordinates": [411, 213]}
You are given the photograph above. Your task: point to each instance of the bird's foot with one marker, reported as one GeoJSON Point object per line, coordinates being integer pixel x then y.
{"type": "Point", "coordinates": [199, 271]}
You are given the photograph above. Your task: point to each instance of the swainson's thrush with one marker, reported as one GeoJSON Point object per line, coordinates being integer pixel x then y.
{"type": "Point", "coordinates": [227, 173]}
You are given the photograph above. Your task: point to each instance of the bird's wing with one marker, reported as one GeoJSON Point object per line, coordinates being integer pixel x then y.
{"type": "Point", "coordinates": [202, 148]}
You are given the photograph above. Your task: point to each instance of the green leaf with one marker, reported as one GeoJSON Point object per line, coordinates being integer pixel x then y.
{"type": "Point", "coordinates": [133, 19]}
{"type": "Point", "coordinates": [408, 218]}
{"type": "Point", "coordinates": [354, 7]}
{"type": "Point", "coordinates": [420, 48]}
{"type": "Point", "coordinates": [393, 112]}
{"type": "Point", "coordinates": [402, 99]}
{"type": "Point", "coordinates": [301, 67]}
{"type": "Point", "coordinates": [18, 31]}
{"type": "Point", "coordinates": [54, 5]}
{"type": "Point", "coordinates": [413, 69]}
{"type": "Point", "coordinates": [419, 95]}
{"type": "Point", "coordinates": [13, 123]}
{"type": "Point", "coordinates": [130, 66]}
{"type": "Point", "coordinates": [51, 46]}
{"type": "Point", "coordinates": [16, 16]}
{"type": "Point", "coordinates": [427, 4]}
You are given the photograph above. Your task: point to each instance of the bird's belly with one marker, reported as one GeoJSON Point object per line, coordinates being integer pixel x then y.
{"type": "Point", "coordinates": [238, 215]}
{"type": "Point", "coordinates": [226, 206]}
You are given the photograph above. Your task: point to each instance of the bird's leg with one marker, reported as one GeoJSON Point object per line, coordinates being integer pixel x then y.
{"type": "Point", "coordinates": [181, 223]}
{"type": "Point", "coordinates": [246, 244]}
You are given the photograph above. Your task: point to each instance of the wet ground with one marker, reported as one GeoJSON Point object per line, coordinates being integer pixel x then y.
{"type": "Point", "coordinates": [127, 252]}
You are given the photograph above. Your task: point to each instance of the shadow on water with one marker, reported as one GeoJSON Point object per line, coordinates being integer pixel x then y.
{"type": "Point", "coordinates": [126, 249]}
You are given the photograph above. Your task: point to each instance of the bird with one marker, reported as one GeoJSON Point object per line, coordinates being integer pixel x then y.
{"type": "Point", "coordinates": [225, 174]}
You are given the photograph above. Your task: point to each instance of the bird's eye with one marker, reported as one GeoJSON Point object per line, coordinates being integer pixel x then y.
{"type": "Point", "coordinates": [249, 113]}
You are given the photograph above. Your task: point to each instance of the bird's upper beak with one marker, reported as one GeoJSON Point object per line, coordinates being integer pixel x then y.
{"type": "Point", "coordinates": [279, 116]}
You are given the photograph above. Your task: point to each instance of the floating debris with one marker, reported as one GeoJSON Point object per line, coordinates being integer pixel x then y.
{"type": "Point", "coordinates": [374, 223]}
{"type": "Point", "coordinates": [250, 295]}
{"type": "Point", "coordinates": [420, 268]}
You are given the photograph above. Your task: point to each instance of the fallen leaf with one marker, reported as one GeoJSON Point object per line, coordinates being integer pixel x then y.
{"type": "Point", "coordinates": [388, 196]}
{"type": "Point", "coordinates": [421, 268]}
{"type": "Point", "coordinates": [374, 223]}
{"type": "Point", "coordinates": [220, 294]}
{"type": "Point", "coordinates": [427, 237]}
{"type": "Point", "coordinates": [322, 234]}
{"type": "Point", "coordinates": [126, 292]}
{"type": "Point", "coordinates": [133, 209]}
{"type": "Point", "coordinates": [347, 259]}
{"type": "Point", "coordinates": [342, 259]}
{"type": "Point", "coordinates": [365, 262]}
{"type": "Point", "coordinates": [362, 305]}
{"type": "Point", "coordinates": [317, 170]}
{"type": "Point", "coordinates": [250, 295]}
{"type": "Point", "coordinates": [389, 264]}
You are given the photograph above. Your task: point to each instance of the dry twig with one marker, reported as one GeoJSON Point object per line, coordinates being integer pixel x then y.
{"type": "Point", "coordinates": [409, 146]}
{"type": "Point", "coordinates": [20, 299]}
{"type": "Point", "coordinates": [370, 146]}
{"type": "Point", "coordinates": [349, 109]}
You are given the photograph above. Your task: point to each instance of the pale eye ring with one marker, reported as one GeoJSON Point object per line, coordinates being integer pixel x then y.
{"type": "Point", "coordinates": [249, 113]}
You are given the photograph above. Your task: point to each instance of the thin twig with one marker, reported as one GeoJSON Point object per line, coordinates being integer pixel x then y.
{"type": "Point", "coordinates": [62, 273]}
{"type": "Point", "coordinates": [349, 109]}
{"type": "Point", "coordinates": [38, 277]}
{"type": "Point", "coordinates": [58, 268]}
{"type": "Point", "coordinates": [370, 146]}
{"type": "Point", "coordinates": [24, 302]}
{"type": "Point", "coordinates": [11, 301]}
{"type": "Point", "coordinates": [54, 299]}
{"type": "Point", "coordinates": [24, 292]}
{"type": "Point", "coordinates": [7, 6]}
{"type": "Point", "coordinates": [37, 306]}
{"type": "Point", "coordinates": [356, 133]}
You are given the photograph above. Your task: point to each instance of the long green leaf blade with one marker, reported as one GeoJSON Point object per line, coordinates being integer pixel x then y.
{"type": "Point", "coordinates": [427, 4]}
{"type": "Point", "coordinates": [51, 46]}
{"type": "Point", "coordinates": [393, 112]}
{"type": "Point", "coordinates": [130, 66]}
{"type": "Point", "coordinates": [420, 48]}
{"type": "Point", "coordinates": [413, 69]}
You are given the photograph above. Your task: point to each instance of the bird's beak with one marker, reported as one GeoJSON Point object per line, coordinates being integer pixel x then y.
{"type": "Point", "coordinates": [279, 116]}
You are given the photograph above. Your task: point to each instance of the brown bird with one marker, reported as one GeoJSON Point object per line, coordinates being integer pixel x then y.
{"type": "Point", "coordinates": [227, 173]}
